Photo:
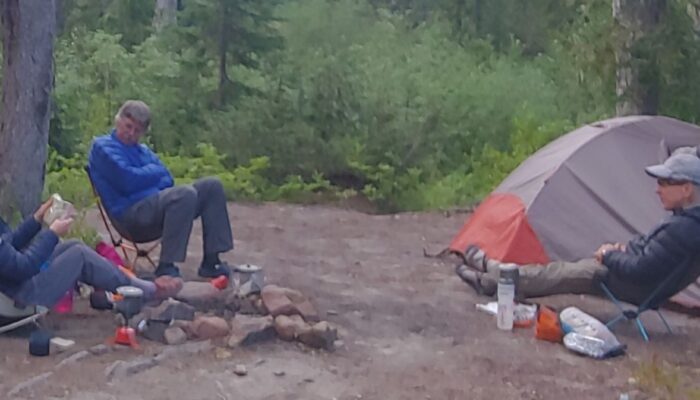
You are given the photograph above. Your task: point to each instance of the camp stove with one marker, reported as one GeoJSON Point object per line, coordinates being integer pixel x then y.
{"type": "Point", "coordinates": [127, 302]}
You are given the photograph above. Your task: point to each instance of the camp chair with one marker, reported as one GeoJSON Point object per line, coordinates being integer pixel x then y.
{"type": "Point", "coordinates": [671, 285]}
{"type": "Point", "coordinates": [119, 237]}
{"type": "Point", "coordinates": [14, 317]}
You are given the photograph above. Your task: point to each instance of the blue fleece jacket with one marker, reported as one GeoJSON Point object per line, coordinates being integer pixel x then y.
{"type": "Point", "coordinates": [125, 174]}
{"type": "Point", "coordinates": [21, 257]}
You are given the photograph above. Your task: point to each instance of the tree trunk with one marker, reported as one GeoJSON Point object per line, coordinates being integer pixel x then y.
{"type": "Point", "coordinates": [637, 79]}
{"type": "Point", "coordinates": [694, 13]}
{"type": "Point", "coordinates": [223, 52]}
{"type": "Point", "coordinates": [28, 40]}
{"type": "Point", "coordinates": [165, 14]}
{"type": "Point", "coordinates": [478, 10]}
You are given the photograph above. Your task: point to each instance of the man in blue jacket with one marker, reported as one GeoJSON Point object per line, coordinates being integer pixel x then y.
{"type": "Point", "coordinates": [35, 269]}
{"type": "Point", "coordinates": [631, 270]}
{"type": "Point", "coordinates": [137, 191]}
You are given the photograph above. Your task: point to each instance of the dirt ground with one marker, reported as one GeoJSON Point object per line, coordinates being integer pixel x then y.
{"type": "Point", "coordinates": [409, 326]}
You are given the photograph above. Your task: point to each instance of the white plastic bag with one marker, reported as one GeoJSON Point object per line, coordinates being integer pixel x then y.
{"type": "Point", "coordinates": [586, 335]}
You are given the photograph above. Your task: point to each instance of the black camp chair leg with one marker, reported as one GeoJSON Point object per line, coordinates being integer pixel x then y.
{"type": "Point", "coordinates": [668, 327]}
{"type": "Point", "coordinates": [614, 321]}
{"type": "Point", "coordinates": [642, 329]}
{"type": "Point", "coordinates": [626, 315]}
{"type": "Point", "coordinates": [150, 260]}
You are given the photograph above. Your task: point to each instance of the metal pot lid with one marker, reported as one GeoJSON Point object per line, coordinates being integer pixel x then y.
{"type": "Point", "coordinates": [130, 291]}
{"type": "Point", "coordinates": [249, 268]}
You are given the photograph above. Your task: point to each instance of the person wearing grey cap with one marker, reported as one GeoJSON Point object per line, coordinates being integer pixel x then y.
{"type": "Point", "coordinates": [630, 270]}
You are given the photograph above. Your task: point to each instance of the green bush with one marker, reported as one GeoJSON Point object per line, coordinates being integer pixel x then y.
{"type": "Point", "coordinates": [421, 115]}
{"type": "Point", "coordinates": [67, 177]}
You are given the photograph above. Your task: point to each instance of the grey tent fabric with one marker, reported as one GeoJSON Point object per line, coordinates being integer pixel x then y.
{"type": "Point", "coordinates": [589, 187]}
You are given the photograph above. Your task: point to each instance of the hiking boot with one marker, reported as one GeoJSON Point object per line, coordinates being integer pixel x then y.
{"type": "Point", "coordinates": [100, 300]}
{"type": "Point", "coordinates": [168, 269]}
{"type": "Point", "coordinates": [474, 279]}
{"type": "Point", "coordinates": [475, 258]}
{"type": "Point", "coordinates": [214, 271]}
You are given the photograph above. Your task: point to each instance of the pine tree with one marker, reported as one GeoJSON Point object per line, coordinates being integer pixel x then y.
{"type": "Point", "coordinates": [232, 32]}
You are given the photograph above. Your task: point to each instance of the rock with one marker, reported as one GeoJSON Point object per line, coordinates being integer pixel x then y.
{"type": "Point", "coordinates": [276, 301]}
{"type": "Point", "coordinates": [209, 327]}
{"type": "Point", "coordinates": [279, 373]}
{"type": "Point", "coordinates": [246, 330]}
{"type": "Point", "coordinates": [73, 358]}
{"type": "Point", "coordinates": [303, 305]}
{"type": "Point", "coordinates": [240, 370]}
{"type": "Point", "coordinates": [290, 327]}
{"type": "Point", "coordinates": [285, 328]}
{"type": "Point", "coordinates": [111, 369]}
{"type": "Point", "coordinates": [140, 365]}
{"type": "Point", "coordinates": [172, 309]}
{"type": "Point", "coordinates": [284, 301]}
{"type": "Point", "coordinates": [332, 312]}
{"type": "Point", "coordinates": [154, 330]}
{"type": "Point", "coordinates": [201, 295]}
{"type": "Point", "coordinates": [120, 368]}
{"type": "Point", "coordinates": [29, 384]}
{"type": "Point", "coordinates": [320, 336]}
{"type": "Point", "coordinates": [175, 335]}
{"type": "Point", "coordinates": [184, 349]}
{"type": "Point", "coordinates": [222, 354]}
{"type": "Point", "coordinates": [59, 345]}
{"type": "Point", "coordinates": [307, 311]}
{"type": "Point", "coordinates": [99, 349]}
{"type": "Point", "coordinates": [294, 295]}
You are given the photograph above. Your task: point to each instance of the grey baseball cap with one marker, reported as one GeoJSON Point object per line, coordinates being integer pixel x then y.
{"type": "Point", "coordinates": [678, 167]}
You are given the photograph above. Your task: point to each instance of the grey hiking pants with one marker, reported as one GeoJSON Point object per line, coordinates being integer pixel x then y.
{"type": "Point", "coordinates": [562, 277]}
{"type": "Point", "coordinates": [557, 277]}
{"type": "Point", "coordinates": [71, 261]}
{"type": "Point", "coordinates": [169, 215]}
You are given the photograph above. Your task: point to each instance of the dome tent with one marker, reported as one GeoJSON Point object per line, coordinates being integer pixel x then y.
{"type": "Point", "coordinates": [585, 188]}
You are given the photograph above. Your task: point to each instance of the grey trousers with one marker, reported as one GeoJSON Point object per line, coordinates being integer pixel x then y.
{"type": "Point", "coordinates": [559, 277]}
{"type": "Point", "coordinates": [562, 277]}
{"type": "Point", "coordinates": [71, 261]}
{"type": "Point", "coordinates": [169, 215]}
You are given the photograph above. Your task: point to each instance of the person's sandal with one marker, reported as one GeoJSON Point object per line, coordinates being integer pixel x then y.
{"type": "Point", "coordinates": [470, 277]}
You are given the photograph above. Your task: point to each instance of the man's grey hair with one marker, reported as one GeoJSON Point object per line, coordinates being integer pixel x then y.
{"type": "Point", "coordinates": [136, 110]}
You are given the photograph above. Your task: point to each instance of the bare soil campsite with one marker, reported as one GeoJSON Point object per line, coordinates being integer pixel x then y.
{"type": "Point", "coordinates": [408, 329]}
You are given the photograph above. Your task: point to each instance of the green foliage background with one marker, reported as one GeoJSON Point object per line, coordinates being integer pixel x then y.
{"type": "Point", "coordinates": [416, 104]}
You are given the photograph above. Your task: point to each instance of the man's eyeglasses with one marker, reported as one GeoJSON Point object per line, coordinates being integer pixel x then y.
{"type": "Point", "coordinates": [669, 182]}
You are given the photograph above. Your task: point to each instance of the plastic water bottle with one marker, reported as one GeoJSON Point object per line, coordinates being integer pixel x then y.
{"type": "Point", "coordinates": [65, 304]}
{"type": "Point", "coordinates": [506, 297]}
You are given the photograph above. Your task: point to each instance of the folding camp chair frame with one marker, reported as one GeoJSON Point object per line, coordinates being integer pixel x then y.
{"type": "Point", "coordinates": [18, 316]}
{"type": "Point", "coordinates": [652, 302]}
{"type": "Point", "coordinates": [127, 245]}
{"type": "Point", "coordinates": [632, 314]}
